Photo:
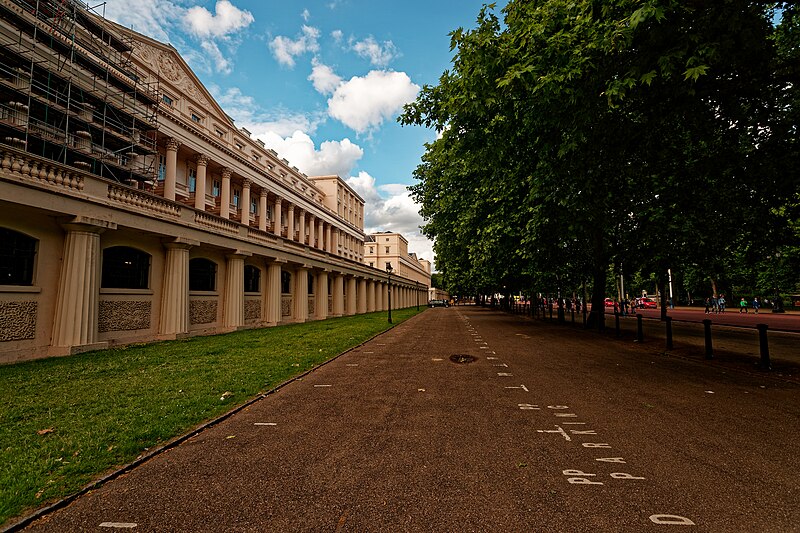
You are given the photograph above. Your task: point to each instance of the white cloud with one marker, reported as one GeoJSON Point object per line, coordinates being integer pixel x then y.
{"type": "Point", "coordinates": [364, 103]}
{"type": "Point", "coordinates": [378, 55]}
{"type": "Point", "coordinates": [390, 208]}
{"type": "Point", "coordinates": [249, 115]}
{"type": "Point", "coordinates": [323, 77]}
{"type": "Point", "coordinates": [306, 15]}
{"type": "Point", "coordinates": [228, 19]}
{"type": "Point", "coordinates": [285, 49]}
{"type": "Point", "coordinates": [221, 64]}
{"type": "Point", "coordinates": [150, 17]}
{"type": "Point", "coordinates": [337, 35]}
{"type": "Point", "coordinates": [333, 157]}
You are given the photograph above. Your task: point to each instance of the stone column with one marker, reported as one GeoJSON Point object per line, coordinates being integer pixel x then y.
{"type": "Point", "coordinates": [233, 315]}
{"type": "Point", "coordinates": [350, 303]}
{"type": "Point", "coordinates": [200, 189]}
{"type": "Point", "coordinates": [277, 224]}
{"type": "Point", "coordinates": [338, 295]}
{"type": "Point", "coordinates": [77, 300]}
{"type": "Point", "coordinates": [272, 294]}
{"type": "Point", "coordinates": [174, 317]}
{"type": "Point", "coordinates": [311, 230]}
{"type": "Point", "coordinates": [370, 296]}
{"type": "Point", "coordinates": [172, 168]}
{"type": "Point", "coordinates": [245, 205]}
{"type": "Point", "coordinates": [321, 296]}
{"type": "Point", "coordinates": [321, 234]}
{"type": "Point", "coordinates": [361, 306]}
{"type": "Point", "coordinates": [225, 194]}
{"type": "Point", "coordinates": [302, 229]}
{"type": "Point", "coordinates": [328, 241]}
{"type": "Point", "coordinates": [262, 210]}
{"type": "Point", "coordinates": [380, 288]}
{"type": "Point", "coordinates": [290, 223]}
{"type": "Point", "coordinates": [300, 296]}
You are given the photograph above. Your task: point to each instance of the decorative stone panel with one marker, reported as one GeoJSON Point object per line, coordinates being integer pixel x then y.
{"type": "Point", "coordinates": [286, 306]}
{"type": "Point", "coordinates": [311, 307]}
{"type": "Point", "coordinates": [330, 305]}
{"type": "Point", "coordinates": [252, 309]}
{"type": "Point", "coordinates": [123, 315]}
{"type": "Point", "coordinates": [202, 311]}
{"type": "Point", "coordinates": [17, 321]}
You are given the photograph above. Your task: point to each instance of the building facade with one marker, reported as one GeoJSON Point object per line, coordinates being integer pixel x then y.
{"type": "Point", "coordinates": [133, 209]}
{"type": "Point", "coordinates": [391, 249]}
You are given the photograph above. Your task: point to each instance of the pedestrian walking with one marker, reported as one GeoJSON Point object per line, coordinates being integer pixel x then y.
{"type": "Point", "coordinates": [708, 305]}
{"type": "Point", "coordinates": [721, 302]}
{"type": "Point", "coordinates": [756, 305]}
{"type": "Point", "coordinates": [715, 304]}
{"type": "Point", "coordinates": [743, 306]}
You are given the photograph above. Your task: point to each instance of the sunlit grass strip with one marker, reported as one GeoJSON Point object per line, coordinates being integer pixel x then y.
{"type": "Point", "coordinates": [65, 421]}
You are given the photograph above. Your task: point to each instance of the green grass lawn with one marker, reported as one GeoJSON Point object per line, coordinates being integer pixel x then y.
{"type": "Point", "coordinates": [65, 421]}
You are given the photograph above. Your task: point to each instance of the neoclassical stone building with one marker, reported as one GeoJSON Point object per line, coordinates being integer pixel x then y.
{"type": "Point", "coordinates": [132, 208]}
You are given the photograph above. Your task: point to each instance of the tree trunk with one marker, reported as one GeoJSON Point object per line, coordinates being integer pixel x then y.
{"type": "Point", "coordinates": [661, 286]}
{"type": "Point", "coordinates": [599, 266]}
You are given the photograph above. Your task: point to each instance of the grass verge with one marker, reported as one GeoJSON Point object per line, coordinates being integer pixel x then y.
{"type": "Point", "coordinates": [65, 421]}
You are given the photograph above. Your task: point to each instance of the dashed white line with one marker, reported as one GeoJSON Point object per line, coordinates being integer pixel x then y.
{"type": "Point", "coordinates": [119, 525]}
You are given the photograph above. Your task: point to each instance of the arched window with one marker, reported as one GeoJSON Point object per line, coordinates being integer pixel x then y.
{"type": "Point", "coordinates": [125, 268]}
{"type": "Point", "coordinates": [310, 283]}
{"type": "Point", "coordinates": [286, 282]}
{"type": "Point", "coordinates": [17, 254]}
{"type": "Point", "coordinates": [202, 275]}
{"type": "Point", "coordinates": [252, 278]}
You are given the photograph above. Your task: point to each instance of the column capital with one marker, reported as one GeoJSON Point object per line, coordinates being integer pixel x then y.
{"type": "Point", "coordinates": [201, 160]}
{"type": "Point", "coordinates": [246, 183]}
{"type": "Point", "coordinates": [173, 144]}
{"type": "Point", "coordinates": [86, 224]}
{"type": "Point", "coordinates": [291, 208]}
{"type": "Point", "coordinates": [278, 199]}
{"type": "Point", "coordinates": [263, 193]}
{"type": "Point", "coordinates": [227, 172]}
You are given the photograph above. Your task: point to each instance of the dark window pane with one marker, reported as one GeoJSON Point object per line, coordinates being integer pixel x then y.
{"type": "Point", "coordinates": [17, 254]}
{"type": "Point", "coordinates": [202, 275]}
{"type": "Point", "coordinates": [286, 282]}
{"type": "Point", "coordinates": [252, 278]}
{"type": "Point", "coordinates": [125, 268]}
{"type": "Point", "coordinates": [310, 283]}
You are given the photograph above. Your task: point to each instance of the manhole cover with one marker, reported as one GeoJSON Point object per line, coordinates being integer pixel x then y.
{"type": "Point", "coordinates": [461, 358]}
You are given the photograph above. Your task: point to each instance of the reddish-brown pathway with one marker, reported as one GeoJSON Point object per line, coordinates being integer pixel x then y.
{"type": "Point", "coordinates": [549, 429]}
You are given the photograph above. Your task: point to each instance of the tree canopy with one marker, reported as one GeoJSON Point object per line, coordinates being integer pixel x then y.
{"type": "Point", "coordinates": [577, 135]}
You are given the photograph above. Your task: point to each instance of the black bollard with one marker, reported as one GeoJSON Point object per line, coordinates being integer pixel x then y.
{"type": "Point", "coordinates": [762, 343]}
{"type": "Point", "coordinates": [709, 348]}
{"type": "Point", "coordinates": [639, 330]}
{"type": "Point", "coordinates": [669, 332]}
{"type": "Point", "coordinates": [616, 321]}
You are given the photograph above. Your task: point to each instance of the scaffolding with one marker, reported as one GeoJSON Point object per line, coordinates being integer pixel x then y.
{"type": "Point", "coordinates": [69, 91]}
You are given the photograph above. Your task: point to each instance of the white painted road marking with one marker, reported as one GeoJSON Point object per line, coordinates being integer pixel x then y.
{"type": "Point", "coordinates": [265, 424]}
{"type": "Point", "coordinates": [504, 374]}
{"type": "Point", "coordinates": [319, 386]}
{"type": "Point", "coordinates": [523, 387]}
{"type": "Point", "coordinates": [119, 525]}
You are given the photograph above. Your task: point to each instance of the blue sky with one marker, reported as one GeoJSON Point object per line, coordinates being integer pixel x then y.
{"type": "Point", "coordinates": [321, 81]}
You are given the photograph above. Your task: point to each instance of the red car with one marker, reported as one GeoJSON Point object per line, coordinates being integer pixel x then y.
{"type": "Point", "coordinates": [609, 302]}
{"type": "Point", "coordinates": [647, 303]}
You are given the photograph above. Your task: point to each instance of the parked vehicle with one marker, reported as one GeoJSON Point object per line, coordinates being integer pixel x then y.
{"type": "Point", "coordinates": [609, 302]}
{"type": "Point", "coordinates": [438, 303]}
{"type": "Point", "coordinates": [647, 303]}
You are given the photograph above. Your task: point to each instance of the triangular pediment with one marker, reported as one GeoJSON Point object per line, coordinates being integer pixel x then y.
{"type": "Point", "coordinates": [160, 63]}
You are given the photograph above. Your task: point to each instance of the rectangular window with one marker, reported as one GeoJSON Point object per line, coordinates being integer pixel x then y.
{"type": "Point", "coordinates": [166, 99]}
{"type": "Point", "coordinates": [162, 167]}
{"type": "Point", "coordinates": [371, 264]}
{"type": "Point", "coordinates": [387, 249]}
{"type": "Point", "coordinates": [215, 188]}
{"type": "Point", "coordinates": [253, 205]}
{"type": "Point", "coordinates": [192, 180]}
{"type": "Point", "coordinates": [236, 198]}
{"type": "Point", "coordinates": [196, 119]}
{"type": "Point", "coordinates": [220, 133]}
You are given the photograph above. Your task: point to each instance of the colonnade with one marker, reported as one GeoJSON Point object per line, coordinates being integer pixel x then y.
{"type": "Point", "coordinates": [273, 213]}
{"type": "Point", "coordinates": [76, 314]}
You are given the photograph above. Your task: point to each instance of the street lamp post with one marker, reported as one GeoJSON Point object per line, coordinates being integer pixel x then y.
{"type": "Point", "coordinates": [389, 272]}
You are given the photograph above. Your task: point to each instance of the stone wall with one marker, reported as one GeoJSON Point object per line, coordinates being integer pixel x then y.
{"type": "Point", "coordinates": [17, 321]}
{"type": "Point", "coordinates": [202, 311]}
{"type": "Point", "coordinates": [252, 309]}
{"type": "Point", "coordinates": [123, 315]}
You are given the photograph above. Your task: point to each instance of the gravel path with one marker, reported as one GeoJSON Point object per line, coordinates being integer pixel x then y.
{"type": "Point", "coordinates": [548, 429]}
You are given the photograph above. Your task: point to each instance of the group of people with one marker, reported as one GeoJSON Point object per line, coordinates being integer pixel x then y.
{"type": "Point", "coordinates": [716, 304]}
